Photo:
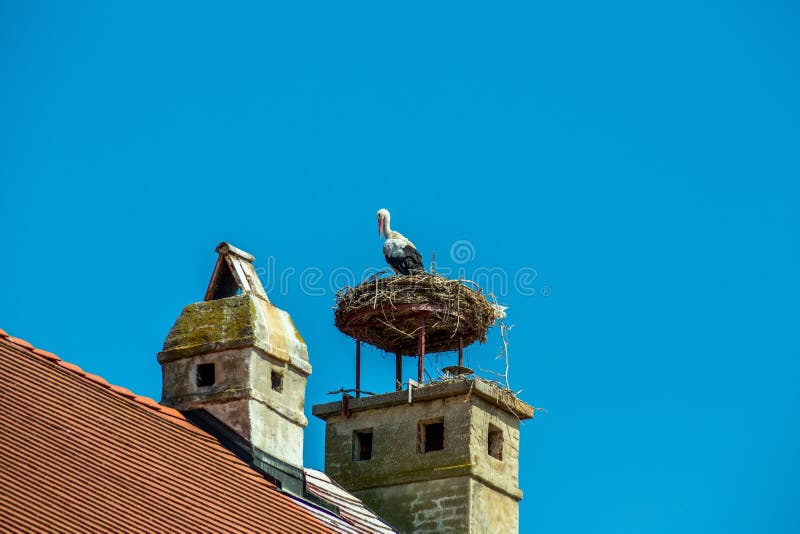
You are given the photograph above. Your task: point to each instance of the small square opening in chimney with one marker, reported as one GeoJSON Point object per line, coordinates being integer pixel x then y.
{"type": "Point", "coordinates": [362, 444]}
{"type": "Point", "coordinates": [495, 442]}
{"type": "Point", "coordinates": [430, 435]}
{"type": "Point", "coordinates": [206, 375]}
{"type": "Point", "coordinates": [276, 379]}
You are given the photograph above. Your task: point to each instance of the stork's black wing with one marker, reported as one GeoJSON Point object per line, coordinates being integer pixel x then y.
{"type": "Point", "coordinates": [397, 263]}
{"type": "Point", "coordinates": [413, 259]}
{"type": "Point", "coordinates": [409, 262]}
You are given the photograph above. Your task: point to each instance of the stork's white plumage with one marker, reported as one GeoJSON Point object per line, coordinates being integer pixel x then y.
{"type": "Point", "coordinates": [400, 253]}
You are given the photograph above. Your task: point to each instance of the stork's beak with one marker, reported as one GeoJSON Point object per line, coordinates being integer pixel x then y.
{"type": "Point", "coordinates": [380, 226]}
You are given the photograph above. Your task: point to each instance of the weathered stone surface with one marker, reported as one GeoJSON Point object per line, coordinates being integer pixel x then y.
{"type": "Point", "coordinates": [478, 387]}
{"type": "Point", "coordinates": [395, 449]}
{"type": "Point", "coordinates": [502, 474]}
{"type": "Point", "coordinates": [492, 512]}
{"type": "Point", "coordinates": [205, 326]}
{"type": "Point", "coordinates": [429, 506]}
{"type": "Point", "coordinates": [247, 339]}
{"type": "Point", "coordinates": [239, 321]}
{"type": "Point", "coordinates": [459, 488]}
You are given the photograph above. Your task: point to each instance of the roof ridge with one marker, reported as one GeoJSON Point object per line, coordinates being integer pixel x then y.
{"type": "Point", "coordinates": [168, 413]}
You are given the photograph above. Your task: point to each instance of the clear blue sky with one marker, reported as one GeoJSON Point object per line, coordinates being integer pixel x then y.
{"type": "Point", "coordinates": [643, 158]}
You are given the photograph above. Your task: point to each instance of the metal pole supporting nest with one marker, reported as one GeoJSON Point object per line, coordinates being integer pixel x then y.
{"type": "Point", "coordinates": [398, 371]}
{"type": "Point", "coordinates": [421, 350]}
{"type": "Point", "coordinates": [358, 367]}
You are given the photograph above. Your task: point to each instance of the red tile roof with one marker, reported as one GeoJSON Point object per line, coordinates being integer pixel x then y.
{"type": "Point", "coordinates": [81, 455]}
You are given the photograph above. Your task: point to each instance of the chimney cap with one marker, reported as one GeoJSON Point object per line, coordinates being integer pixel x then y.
{"type": "Point", "coordinates": [227, 248]}
{"type": "Point", "coordinates": [234, 272]}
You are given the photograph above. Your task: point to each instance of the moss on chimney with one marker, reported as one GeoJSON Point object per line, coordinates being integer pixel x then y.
{"type": "Point", "coordinates": [217, 322]}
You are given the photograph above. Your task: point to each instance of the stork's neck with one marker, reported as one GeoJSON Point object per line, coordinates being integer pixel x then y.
{"type": "Point", "coordinates": [387, 230]}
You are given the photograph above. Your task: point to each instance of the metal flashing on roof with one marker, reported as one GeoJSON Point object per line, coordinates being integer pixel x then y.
{"type": "Point", "coordinates": [287, 477]}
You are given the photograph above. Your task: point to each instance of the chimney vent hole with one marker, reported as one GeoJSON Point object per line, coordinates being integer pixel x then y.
{"type": "Point", "coordinates": [206, 375]}
{"type": "Point", "coordinates": [362, 444]}
{"type": "Point", "coordinates": [276, 379]}
{"type": "Point", "coordinates": [495, 442]}
{"type": "Point", "coordinates": [431, 435]}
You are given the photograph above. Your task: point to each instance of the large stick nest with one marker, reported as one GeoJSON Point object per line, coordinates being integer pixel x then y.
{"type": "Point", "coordinates": [387, 312]}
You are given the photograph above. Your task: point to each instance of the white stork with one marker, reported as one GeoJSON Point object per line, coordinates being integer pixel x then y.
{"type": "Point", "coordinates": [400, 253]}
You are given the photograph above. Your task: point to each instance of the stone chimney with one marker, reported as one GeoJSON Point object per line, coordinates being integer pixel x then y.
{"type": "Point", "coordinates": [240, 359]}
{"type": "Point", "coordinates": [442, 457]}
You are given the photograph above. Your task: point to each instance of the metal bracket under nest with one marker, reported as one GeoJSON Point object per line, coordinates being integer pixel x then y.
{"type": "Point", "coordinates": [399, 362]}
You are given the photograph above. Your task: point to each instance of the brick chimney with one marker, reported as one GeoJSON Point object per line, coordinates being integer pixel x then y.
{"type": "Point", "coordinates": [239, 359]}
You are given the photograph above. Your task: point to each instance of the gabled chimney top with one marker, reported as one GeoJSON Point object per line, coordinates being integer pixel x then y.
{"type": "Point", "coordinates": [234, 272]}
{"type": "Point", "coordinates": [241, 359]}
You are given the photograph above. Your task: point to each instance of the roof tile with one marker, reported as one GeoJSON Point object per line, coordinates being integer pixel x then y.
{"type": "Point", "coordinates": [97, 379]}
{"type": "Point", "coordinates": [103, 465]}
{"type": "Point", "coordinates": [352, 509]}
{"type": "Point", "coordinates": [72, 367]}
{"type": "Point", "coordinates": [125, 392]}
{"type": "Point", "coordinates": [171, 412]}
{"type": "Point", "coordinates": [47, 354]}
{"type": "Point", "coordinates": [147, 401]}
{"type": "Point", "coordinates": [20, 342]}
